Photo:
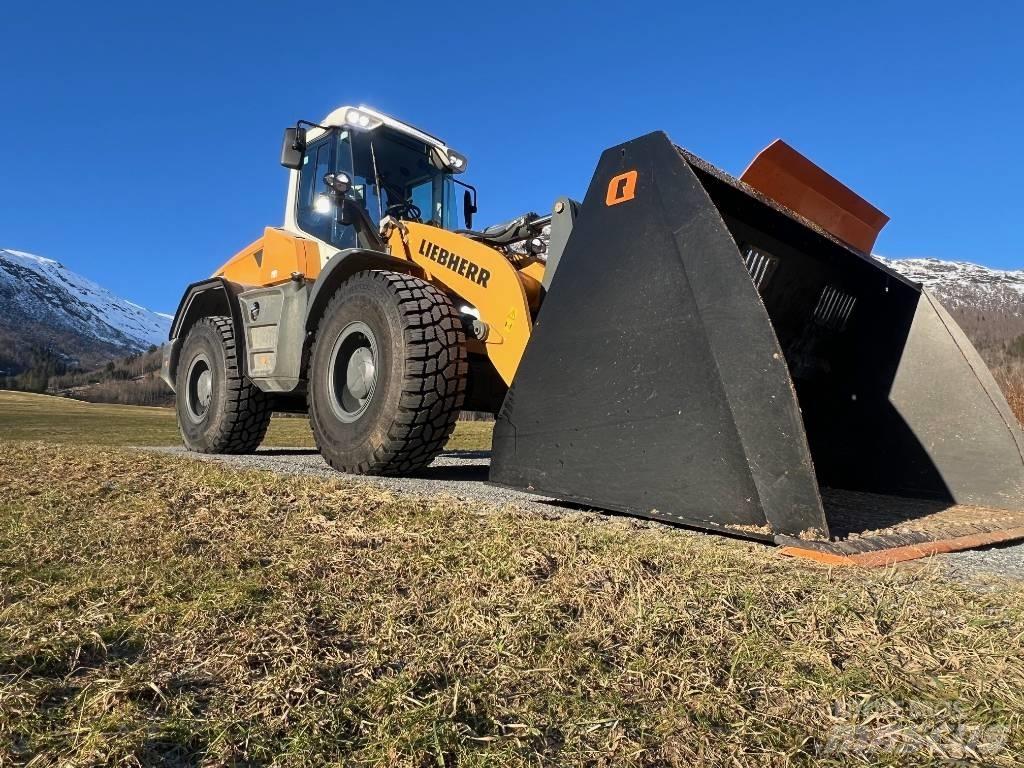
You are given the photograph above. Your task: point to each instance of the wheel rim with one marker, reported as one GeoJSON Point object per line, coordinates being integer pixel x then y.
{"type": "Point", "coordinates": [352, 372]}
{"type": "Point", "coordinates": [199, 388]}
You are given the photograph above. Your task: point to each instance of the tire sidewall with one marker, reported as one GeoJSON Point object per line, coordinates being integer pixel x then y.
{"type": "Point", "coordinates": [368, 299]}
{"type": "Point", "coordinates": [205, 434]}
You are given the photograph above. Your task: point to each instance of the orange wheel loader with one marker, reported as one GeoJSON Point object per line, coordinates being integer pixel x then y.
{"type": "Point", "coordinates": [716, 352]}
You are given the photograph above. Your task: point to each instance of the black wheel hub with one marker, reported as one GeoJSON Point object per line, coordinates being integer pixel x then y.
{"type": "Point", "coordinates": [199, 388]}
{"type": "Point", "coordinates": [352, 372]}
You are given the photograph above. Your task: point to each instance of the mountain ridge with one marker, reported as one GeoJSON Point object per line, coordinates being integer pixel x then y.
{"type": "Point", "coordinates": [44, 306]}
{"type": "Point", "coordinates": [988, 303]}
{"type": "Point", "coordinates": [964, 282]}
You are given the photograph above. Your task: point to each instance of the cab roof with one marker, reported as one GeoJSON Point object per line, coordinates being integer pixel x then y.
{"type": "Point", "coordinates": [349, 117]}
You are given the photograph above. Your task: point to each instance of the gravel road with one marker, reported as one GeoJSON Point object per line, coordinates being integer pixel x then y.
{"type": "Point", "coordinates": [463, 474]}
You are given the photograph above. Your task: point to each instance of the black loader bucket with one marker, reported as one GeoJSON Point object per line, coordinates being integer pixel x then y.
{"type": "Point", "coordinates": [709, 357]}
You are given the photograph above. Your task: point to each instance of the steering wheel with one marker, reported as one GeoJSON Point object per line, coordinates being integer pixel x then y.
{"type": "Point", "coordinates": [404, 210]}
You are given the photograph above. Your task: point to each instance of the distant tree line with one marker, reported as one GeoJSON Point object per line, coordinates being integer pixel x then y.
{"type": "Point", "coordinates": [37, 366]}
{"type": "Point", "coordinates": [989, 329]}
{"type": "Point", "coordinates": [149, 390]}
{"type": "Point", "coordinates": [131, 380]}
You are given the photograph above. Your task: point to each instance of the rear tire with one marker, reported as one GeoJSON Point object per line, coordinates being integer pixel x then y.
{"type": "Point", "coordinates": [387, 374]}
{"type": "Point", "coordinates": [219, 410]}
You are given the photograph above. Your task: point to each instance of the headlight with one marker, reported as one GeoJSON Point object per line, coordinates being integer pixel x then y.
{"type": "Point", "coordinates": [359, 119]}
{"type": "Point", "coordinates": [456, 162]}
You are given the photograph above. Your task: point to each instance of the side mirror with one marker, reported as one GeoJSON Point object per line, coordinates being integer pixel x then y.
{"type": "Point", "coordinates": [339, 183]}
{"type": "Point", "coordinates": [468, 208]}
{"type": "Point", "coordinates": [293, 148]}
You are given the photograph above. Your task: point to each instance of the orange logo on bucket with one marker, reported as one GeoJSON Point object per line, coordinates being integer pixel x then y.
{"type": "Point", "coordinates": [621, 188]}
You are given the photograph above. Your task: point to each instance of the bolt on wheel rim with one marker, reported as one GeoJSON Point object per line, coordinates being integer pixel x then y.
{"type": "Point", "coordinates": [199, 389]}
{"type": "Point", "coordinates": [352, 372]}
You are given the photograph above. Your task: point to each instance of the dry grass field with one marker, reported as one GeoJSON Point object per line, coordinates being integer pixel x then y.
{"type": "Point", "coordinates": [1011, 381]}
{"type": "Point", "coordinates": [156, 610]}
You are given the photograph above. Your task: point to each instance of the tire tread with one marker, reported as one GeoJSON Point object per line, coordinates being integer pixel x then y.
{"type": "Point", "coordinates": [248, 409]}
{"type": "Point", "coordinates": [434, 386]}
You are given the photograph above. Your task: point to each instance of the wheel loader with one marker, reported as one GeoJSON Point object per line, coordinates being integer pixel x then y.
{"type": "Point", "coordinates": [682, 345]}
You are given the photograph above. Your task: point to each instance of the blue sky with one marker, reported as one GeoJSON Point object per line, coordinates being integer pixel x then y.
{"type": "Point", "coordinates": [140, 145]}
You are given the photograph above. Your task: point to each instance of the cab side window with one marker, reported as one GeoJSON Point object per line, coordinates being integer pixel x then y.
{"type": "Point", "coordinates": [315, 212]}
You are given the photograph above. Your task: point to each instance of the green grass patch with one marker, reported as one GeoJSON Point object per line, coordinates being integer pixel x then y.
{"type": "Point", "coordinates": [25, 416]}
{"type": "Point", "coordinates": [160, 610]}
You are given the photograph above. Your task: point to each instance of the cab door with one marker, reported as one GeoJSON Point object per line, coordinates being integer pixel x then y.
{"type": "Point", "coordinates": [316, 212]}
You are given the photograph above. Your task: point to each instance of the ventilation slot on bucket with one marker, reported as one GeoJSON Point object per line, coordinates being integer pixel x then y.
{"type": "Point", "coordinates": [834, 308]}
{"type": "Point", "coordinates": [760, 266]}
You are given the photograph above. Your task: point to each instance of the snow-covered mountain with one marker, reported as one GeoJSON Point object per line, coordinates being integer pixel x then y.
{"type": "Point", "coordinates": [987, 303]}
{"type": "Point", "coordinates": [44, 304]}
{"type": "Point", "coordinates": [960, 284]}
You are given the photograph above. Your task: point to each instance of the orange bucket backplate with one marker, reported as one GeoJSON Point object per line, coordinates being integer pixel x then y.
{"type": "Point", "coordinates": [781, 173]}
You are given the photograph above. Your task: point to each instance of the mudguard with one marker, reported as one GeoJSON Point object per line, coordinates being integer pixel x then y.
{"type": "Point", "coordinates": [343, 265]}
{"type": "Point", "coordinates": [214, 296]}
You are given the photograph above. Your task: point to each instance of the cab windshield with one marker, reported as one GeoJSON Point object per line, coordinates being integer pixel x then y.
{"type": "Point", "coordinates": [394, 174]}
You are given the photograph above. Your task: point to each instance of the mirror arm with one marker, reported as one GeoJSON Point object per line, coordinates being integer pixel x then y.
{"type": "Point", "coordinates": [301, 123]}
{"type": "Point", "coordinates": [338, 185]}
{"type": "Point", "coordinates": [470, 187]}
{"type": "Point", "coordinates": [294, 148]}
{"type": "Point", "coordinates": [342, 209]}
{"type": "Point", "coordinates": [469, 206]}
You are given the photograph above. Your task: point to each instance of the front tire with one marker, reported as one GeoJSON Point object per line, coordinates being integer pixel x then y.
{"type": "Point", "coordinates": [219, 410]}
{"type": "Point", "coordinates": [387, 374]}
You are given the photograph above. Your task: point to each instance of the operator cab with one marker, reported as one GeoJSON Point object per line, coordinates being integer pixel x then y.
{"type": "Point", "coordinates": [388, 168]}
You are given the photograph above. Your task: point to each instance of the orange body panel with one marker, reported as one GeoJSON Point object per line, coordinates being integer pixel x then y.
{"type": "Point", "coordinates": [272, 259]}
{"type": "Point", "coordinates": [483, 277]}
{"type": "Point", "coordinates": [480, 275]}
{"type": "Point", "coordinates": [790, 179]}
{"type": "Point", "coordinates": [532, 277]}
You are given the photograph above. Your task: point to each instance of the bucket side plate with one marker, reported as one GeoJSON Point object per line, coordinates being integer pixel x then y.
{"type": "Point", "coordinates": [653, 383]}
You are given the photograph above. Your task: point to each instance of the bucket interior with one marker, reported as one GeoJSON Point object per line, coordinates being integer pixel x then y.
{"type": "Point", "coordinates": [842, 321]}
